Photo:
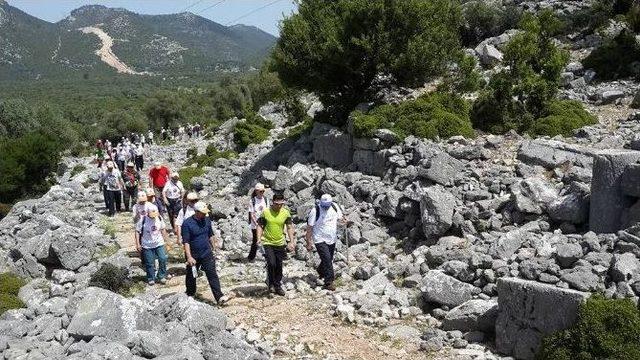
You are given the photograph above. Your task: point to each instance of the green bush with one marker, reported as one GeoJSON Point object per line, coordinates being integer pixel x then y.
{"type": "Point", "coordinates": [337, 48]}
{"type": "Point", "coordinates": [522, 92]}
{"type": "Point", "coordinates": [188, 173]}
{"type": "Point", "coordinates": [633, 17]}
{"type": "Point", "coordinates": [437, 114]}
{"type": "Point", "coordinates": [10, 283]}
{"type": "Point", "coordinates": [563, 116]}
{"type": "Point", "coordinates": [483, 20]}
{"type": "Point", "coordinates": [209, 158]}
{"type": "Point", "coordinates": [606, 329]}
{"type": "Point", "coordinates": [8, 302]}
{"type": "Point", "coordinates": [112, 278]}
{"type": "Point", "coordinates": [613, 59]}
{"type": "Point", "coordinates": [246, 133]}
{"type": "Point", "coordinates": [295, 109]}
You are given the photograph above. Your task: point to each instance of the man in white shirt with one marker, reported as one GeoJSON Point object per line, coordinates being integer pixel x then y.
{"type": "Point", "coordinates": [186, 212]}
{"type": "Point", "coordinates": [150, 238]}
{"type": "Point", "coordinates": [257, 206]}
{"type": "Point", "coordinates": [111, 181]}
{"type": "Point", "coordinates": [172, 194]}
{"type": "Point", "coordinates": [322, 230]}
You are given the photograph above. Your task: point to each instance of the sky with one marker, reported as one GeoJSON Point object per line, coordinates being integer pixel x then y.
{"type": "Point", "coordinates": [264, 14]}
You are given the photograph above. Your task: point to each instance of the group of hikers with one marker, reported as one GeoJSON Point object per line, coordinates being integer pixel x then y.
{"type": "Point", "coordinates": [190, 221]}
{"type": "Point", "coordinates": [182, 132]}
{"type": "Point", "coordinates": [129, 149]}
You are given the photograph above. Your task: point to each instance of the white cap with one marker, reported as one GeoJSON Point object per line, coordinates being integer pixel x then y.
{"type": "Point", "coordinates": [142, 196]}
{"type": "Point", "coordinates": [175, 175]}
{"type": "Point", "coordinates": [259, 187]}
{"type": "Point", "coordinates": [157, 163]}
{"type": "Point", "coordinates": [150, 192]}
{"type": "Point", "coordinates": [110, 164]}
{"type": "Point", "coordinates": [192, 196]}
{"type": "Point", "coordinates": [201, 207]}
{"type": "Point", "coordinates": [152, 211]}
{"type": "Point", "coordinates": [326, 198]}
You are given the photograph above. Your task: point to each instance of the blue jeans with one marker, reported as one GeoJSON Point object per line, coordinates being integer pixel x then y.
{"type": "Point", "coordinates": [149, 256]}
{"type": "Point", "coordinates": [325, 269]}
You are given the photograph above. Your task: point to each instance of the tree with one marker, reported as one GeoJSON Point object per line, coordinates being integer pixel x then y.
{"type": "Point", "coordinates": [521, 93]}
{"type": "Point", "coordinates": [337, 48]}
{"type": "Point", "coordinates": [16, 118]}
{"type": "Point", "coordinates": [121, 122]}
{"type": "Point", "coordinates": [164, 110]}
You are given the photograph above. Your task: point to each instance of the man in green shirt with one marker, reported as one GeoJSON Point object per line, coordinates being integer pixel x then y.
{"type": "Point", "coordinates": [271, 233]}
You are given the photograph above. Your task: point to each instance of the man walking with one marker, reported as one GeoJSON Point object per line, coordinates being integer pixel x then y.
{"type": "Point", "coordinates": [199, 242]}
{"type": "Point", "coordinates": [131, 181]}
{"type": "Point", "coordinates": [186, 212]}
{"type": "Point", "coordinates": [257, 206]}
{"type": "Point", "coordinates": [158, 177]}
{"type": "Point", "coordinates": [322, 230]}
{"type": "Point", "coordinates": [150, 237]}
{"type": "Point", "coordinates": [139, 156]}
{"type": "Point", "coordinates": [111, 179]}
{"type": "Point", "coordinates": [172, 194]}
{"type": "Point", "coordinates": [270, 232]}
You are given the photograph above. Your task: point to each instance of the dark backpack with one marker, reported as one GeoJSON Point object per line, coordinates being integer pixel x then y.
{"type": "Point", "coordinates": [334, 206]}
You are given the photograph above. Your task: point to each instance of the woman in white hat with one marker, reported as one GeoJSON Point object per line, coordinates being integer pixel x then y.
{"type": "Point", "coordinates": [172, 194]}
{"type": "Point", "coordinates": [150, 237]}
{"type": "Point", "coordinates": [257, 206]}
{"type": "Point", "coordinates": [186, 212]}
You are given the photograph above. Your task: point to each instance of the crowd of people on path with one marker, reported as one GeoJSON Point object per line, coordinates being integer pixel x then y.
{"type": "Point", "coordinates": [164, 208]}
{"type": "Point", "coordinates": [182, 132]}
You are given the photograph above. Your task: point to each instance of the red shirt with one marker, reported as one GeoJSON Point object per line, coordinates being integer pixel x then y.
{"type": "Point", "coordinates": [159, 176]}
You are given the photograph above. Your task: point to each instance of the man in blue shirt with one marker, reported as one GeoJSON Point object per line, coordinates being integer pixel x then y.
{"type": "Point", "coordinates": [199, 241]}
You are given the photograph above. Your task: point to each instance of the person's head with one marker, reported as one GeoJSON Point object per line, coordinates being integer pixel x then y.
{"type": "Point", "coordinates": [152, 212]}
{"type": "Point", "coordinates": [150, 194]}
{"type": "Point", "coordinates": [142, 197]}
{"type": "Point", "coordinates": [201, 210]}
{"type": "Point", "coordinates": [175, 177]}
{"type": "Point", "coordinates": [192, 198]}
{"type": "Point", "coordinates": [259, 190]}
{"type": "Point", "coordinates": [157, 164]}
{"type": "Point", "coordinates": [130, 166]}
{"type": "Point", "coordinates": [278, 202]}
{"type": "Point", "coordinates": [109, 165]}
{"type": "Point", "coordinates": [326, 201]}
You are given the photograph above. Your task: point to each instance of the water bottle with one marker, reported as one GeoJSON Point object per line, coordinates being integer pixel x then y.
{"type": "Point", "coordinates": [194, 271]}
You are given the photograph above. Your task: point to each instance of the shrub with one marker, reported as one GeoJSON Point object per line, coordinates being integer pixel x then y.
{"type": "Point", "coordinates": [192, 152]}
{"type": "Point", "coordinates": [633, 17]}
{"type": "Point", "coordinates": [337, 48]}
{"type": "Point", "coordinates": [483, 20]}
{"type": "Point", "coordinates": [188, 173]}
{"type": "Point", "coordinates": [613, 59]}
{"type": "Point", "coordinates": [209, 158]}
{"type": "Point", "coordinates": [4, 210]}
{"type": "Point", "coordinates": [606, 329]}
{"type": "Point", "coordinates": [303, 128]}
{"type": "Point", "coordinates": [8, 302]}
{"type": "Point", "coordinates": [432, 115]}
{"type": "Point", "coordinates": [251, 132]}
{"type": "Point", "coordinates": [111, 277]}
{"type": "Point", "coordinates": [563, 116]}
{"type": "Point", "coordinates": [295, 109]}
{"type": "Point", "coordinates": [10, 283]}
{"type": "Point", "coordinates": [520, 93]}
{"type": "Point", "coordinates": [77, 170]}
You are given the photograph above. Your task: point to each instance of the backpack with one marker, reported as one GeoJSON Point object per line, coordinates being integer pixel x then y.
{"type": "Point", "coordinates": [253, 204]}
{"type": "Point", "coordinates": [334, 206]}
{"type": "Point", "coordinates": [130, 179]}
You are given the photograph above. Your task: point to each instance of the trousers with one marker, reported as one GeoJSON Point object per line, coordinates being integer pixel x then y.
{"type": "Point", "coordinates": [149, 256]}
{"type": "Point", "coordinates": [274, 256]}
{"type": "Point", "coordinates": [207, 264]}
{"type": "Point", "coordinates": [326, 251]}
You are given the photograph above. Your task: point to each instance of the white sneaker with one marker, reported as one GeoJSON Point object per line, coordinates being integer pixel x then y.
{"type": "Point", "coordinates": [163, 281]}
{"type": "Point", "coordinates": [223, 300]}
{"type": "Point", "coordinates": [151, 282]}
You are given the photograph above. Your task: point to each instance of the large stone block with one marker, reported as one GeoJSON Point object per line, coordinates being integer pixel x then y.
{"type": "Point", "coordinates": [608, 201]}
{"type": "Point", "coordinates": [440, 288]}
{"type": "Point", "coordinates": [529, 310]}
{"type": "Point", "coordinates": [370, 162]}
{"type": "Point", "coordinates": [551, 154]}
{"type": "Point", "coordinates": [331, 146]}
{"type": "Point", "coordinates": [631, 180]}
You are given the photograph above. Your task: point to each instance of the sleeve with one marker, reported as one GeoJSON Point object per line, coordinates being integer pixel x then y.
{"type": "Point", "coordinates": [161, 224]}
{"type": "Point", "coordinates": [186, 236]}
{"type": "Point", "coordinates": [251, 208]}
{"type": "Point", "coordinates": [165, 188]}
{"type": "Point", "coordinates": [311, 219]}
{"type": "Point", "coordinates": [180, 218]}
{"type": "Point", "coordinates": [139, 225]}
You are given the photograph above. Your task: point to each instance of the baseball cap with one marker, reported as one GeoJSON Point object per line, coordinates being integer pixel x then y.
{"type": "Point", "coordinates": [192, 196]}
{"type": "Point", "coordinates": [326, 200]}
{"type": "Point", "coordinates": [175, 175]}
{"type": "Point", "coordinates": [152, 211]}
{"type": "Point", "coordinates": [130, 164]}
{"type": "Point", "coordinates": [279, 199]}
{"type": "Point", "coordinates": [201, 207]}
{"type": "Point", "coordinates": [142, 196]}
{"type": "Point", "coordinates": [110, 164]}
{"type": "Point", "coordinates": [157, 164]}
{"type": "Point", "coordinates": [150, 192]}
{"type": "Point", "coordinates": [259, 187]}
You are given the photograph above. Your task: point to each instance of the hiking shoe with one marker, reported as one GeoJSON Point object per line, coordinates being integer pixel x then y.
{"type": "Point", "coordinates": [168, 276]}
{"type": "Point", "coordinates": [151, 282]}
{"type": "Point", "coordinates": [329, 287]}
{"type": "Point", "coordinates": [162, 281]}
{"type": "Point", "coordinates": [223, 300]}
{"type": "Point", "coordinates": [280, 291]}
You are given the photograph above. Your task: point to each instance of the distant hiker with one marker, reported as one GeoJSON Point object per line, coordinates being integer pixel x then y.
{"type": "Point", "coordinates": [142, 139]}
{"type": "Point", "coordinates": [122, 157]}
{"type": "Point", "coordinates": [158, 177]}
{"type": "Point", "coordinates": [152, 199]}
{"type": "Point", "coordinates": [163, 133]}
{"type": "Point", "coordinates": [322, 230]}
{"type": "Point", "coordinates": [172, 194]}
{"type": "Point", "coordinates": [257, 205]}
{"type": "Point", "coordinates": [150, 238]}
{"type": "Point", "coordinates": [99, 153]}
{"type": "Point", "coordinates": [139, 209]}
{"type": "Point", "coordinates": [150, 137]}
{"type": "Point", "coordinates": [139, 156]}
{"type": "Point", "coordinates": [270, 232]}
{"type": "Point", "coordinates": [186, 212]}
{"type": "Point", "coordinates": [131, 180]}
{"type": "Point", "coordinates": [112, 179]}
{"type": "Point", "coordinates": [199, 242]}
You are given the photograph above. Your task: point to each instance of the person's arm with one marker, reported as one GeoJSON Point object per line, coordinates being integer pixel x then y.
{"type": "Point", "coordinates": [309, 234]}
{"type": "Point", "coordinates": [260, 230]}
{"type": "Point", "coordinates": [292, 236]}
{"type": "Point", "coordinates": [187, 247]}
{"type": "Point", "coordinates": [138, 230]}
{"type": "Point", "coordinates": [164, 194]}
{"type": "Point", "coordinates": [252, 214]}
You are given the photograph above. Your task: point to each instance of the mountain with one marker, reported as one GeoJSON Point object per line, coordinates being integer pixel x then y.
{"type": "Point", "coordinates": [96, 39]}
